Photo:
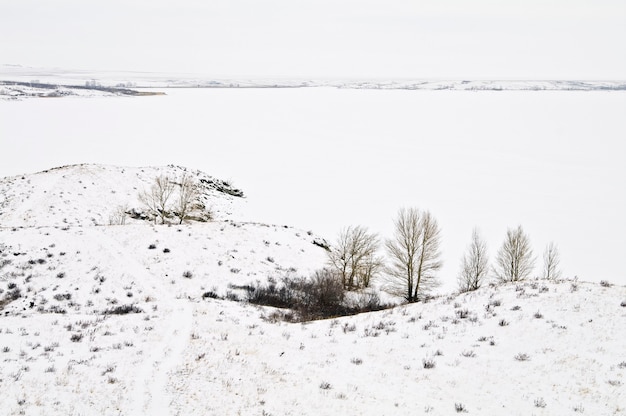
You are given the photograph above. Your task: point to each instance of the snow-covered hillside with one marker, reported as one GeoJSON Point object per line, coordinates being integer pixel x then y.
{"type": "Point", "coordinates": [90, 194]}
{"type": "Point", "coordinates": [145, 319]}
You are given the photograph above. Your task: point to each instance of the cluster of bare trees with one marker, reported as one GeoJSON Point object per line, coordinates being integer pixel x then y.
{"type": "Point", "coordinates": [163, 202]}
{"type": "Point", "coordinates": [413, 258]}
{"type": "Point", "coordinates": [354, 257]}
{"type": "Point", "coordinates": [514, 261]}
{"type": "Point", "coordinates": [413, 252]}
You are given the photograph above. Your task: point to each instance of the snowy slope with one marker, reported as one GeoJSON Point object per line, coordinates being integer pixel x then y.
{"type": "Point", "coordinates": [544, 348]}
{"type": "Point", "coordinates": [89, 194]}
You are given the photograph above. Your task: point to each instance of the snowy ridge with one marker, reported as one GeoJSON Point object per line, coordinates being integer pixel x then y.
{"type": "Point", "coordinates": [39, 82]}
{"type": "Point", "coordinates": [145, 319]}
{"type": "Point", "coordinates": [88, 194]}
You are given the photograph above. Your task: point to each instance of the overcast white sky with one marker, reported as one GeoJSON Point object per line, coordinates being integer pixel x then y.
{"type": "Point", "coordinates": [521, 39]}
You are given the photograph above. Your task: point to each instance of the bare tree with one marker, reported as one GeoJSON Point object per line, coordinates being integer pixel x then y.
{"type": "Point", "coordinates": [118, 216]}
{"type": "Point", "coordinates": [414, 254]}
{"type": "Point", "coordinates": [157, 199]}
{"type": "Point", "coordinates": [474, 266]}
{"type": "Point", "coordinates": [187, 198]}
{"type": "Point", "coordinates": [551, 260]}
{"type": "Point", "coordinates": [354, 258]}
{"type": "Point", "coordinates": [515, 259]}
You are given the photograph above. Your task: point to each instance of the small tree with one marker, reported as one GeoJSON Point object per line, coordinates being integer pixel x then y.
{"type": "Point", "coordinates": [515, 259]}
{"type": "Point", "coordinates": [551, 260]}
{"type": "Point", "coordinates": [354, 258]}
{"type": "Point", "coordinates": [187, 198]}
{"type": "Point", "coordinates": [118, 216]}
{"type": "Point", "coordinates": [157, 199]}
{"type": "Point", "coordinates": [474, 266]}
{"type": "Point", "coordinates": [414, 254]}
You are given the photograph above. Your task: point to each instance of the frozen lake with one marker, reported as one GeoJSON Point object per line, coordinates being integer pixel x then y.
{"type": "Point", "coordinates": [324, 158]}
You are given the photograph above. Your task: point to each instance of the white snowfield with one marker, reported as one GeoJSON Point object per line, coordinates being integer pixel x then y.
{"type": "Point", "coordinates": [532, 348]}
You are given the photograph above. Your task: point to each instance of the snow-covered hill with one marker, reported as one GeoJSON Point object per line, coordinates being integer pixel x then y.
{"type": "Point", "coordinates": [89, 194]}
{"type": "Point", "coordinates": [126, 320]}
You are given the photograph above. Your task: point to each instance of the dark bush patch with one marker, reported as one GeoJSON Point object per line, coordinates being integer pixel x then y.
{"type": "Point", "coordinates": [60, 275]}
{"type": "Point", "coordinates": [122, 310]}
{"type": "Point", "coordinates": [428, 364]}
{"type": "Point", "coordinates": [76, 337]}
{"type": "Point", "coordinates": [166, 250]}
{"type": "Point", "coordinates": [151, 246]}
{"type": "Point", "coordinates": [187, 274]}
{"type": "Point", "coordinates": [319, 297]}
{"type": "Point", "coordinates": [63, 296]}
{"type": "Point", "coordinates": [210, 295]}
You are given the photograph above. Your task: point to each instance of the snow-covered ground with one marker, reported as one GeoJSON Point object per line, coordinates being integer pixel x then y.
{"type": "Point", "coordinates": [537, 347]}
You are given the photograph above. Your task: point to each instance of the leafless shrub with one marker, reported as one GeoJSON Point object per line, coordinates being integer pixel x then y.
{"type": "Point", "coordinates": [462, 313]}
{"type": "Point", "coordinates": [324, 385]}
{"type": "Point", "coordinates": [540, 403]}
{"type": "Point", "coordinates": [522, 357]}
{"type": "Point", "coordinates": [429, 363]}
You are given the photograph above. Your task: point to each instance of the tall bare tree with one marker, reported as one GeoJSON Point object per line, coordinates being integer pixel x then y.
{"type": "Point", "coordinates": [157, 198]}
{"type": "Point", "coordinates": [414, 254]}
{"type": "Point", "coordinates": [354, 258]}
{"type": "Point", "coordinates": [474, 265]}
{"type": "Point", "coordinates": [187, 198]}
{"type": "Point", "coordinates": [515, 259]}
{"type": "Point", "coordinates": [551, 260]}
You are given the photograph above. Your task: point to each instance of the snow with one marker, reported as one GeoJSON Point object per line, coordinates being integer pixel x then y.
{"type": "Point", "coordinates": [535, 347]}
